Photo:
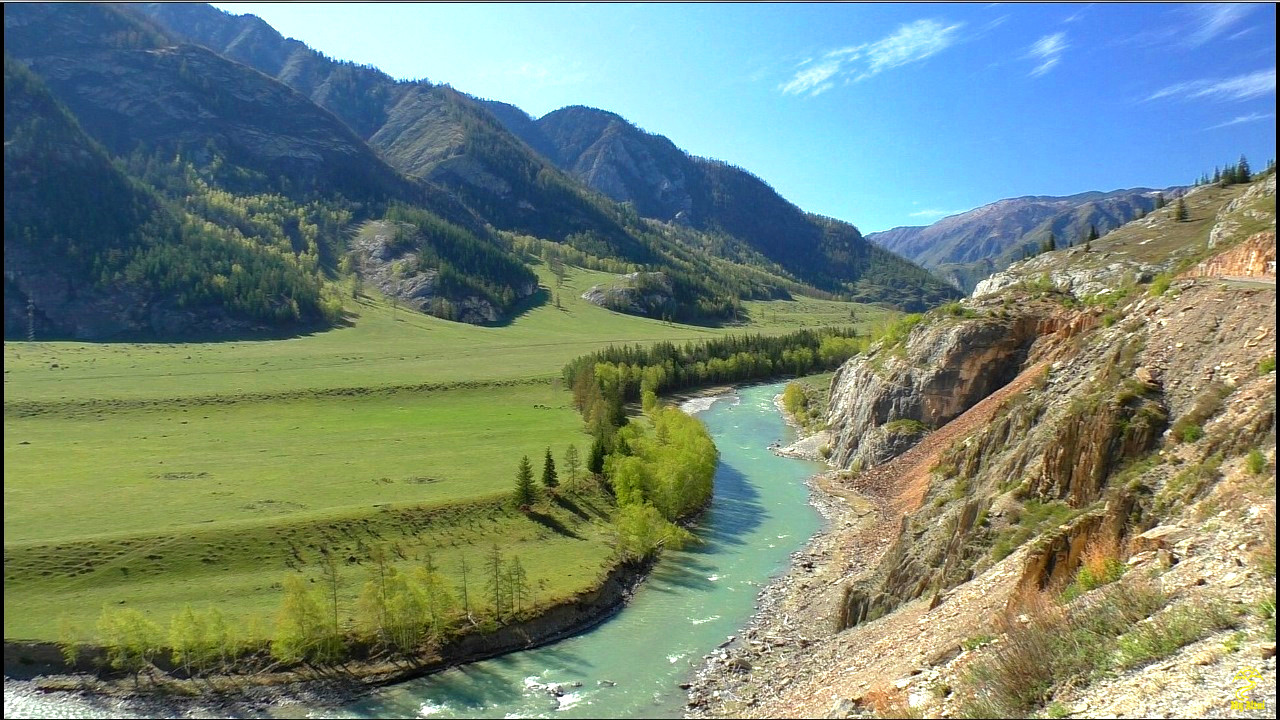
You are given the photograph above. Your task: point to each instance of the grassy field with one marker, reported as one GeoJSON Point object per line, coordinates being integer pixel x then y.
{"type": "Point", "coordinates": [158, 474]}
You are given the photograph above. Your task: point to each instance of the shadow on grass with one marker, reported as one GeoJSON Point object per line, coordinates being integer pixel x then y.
{"type": "Point", "coordinates": [551, 523]}
{"type": "Point", "coordinates": [564, 502]}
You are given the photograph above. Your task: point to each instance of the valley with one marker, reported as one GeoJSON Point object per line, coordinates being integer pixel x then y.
{"type": "Point", "coordinates": [160, 475]}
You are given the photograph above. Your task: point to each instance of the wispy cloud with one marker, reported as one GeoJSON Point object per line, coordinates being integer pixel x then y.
{"type": "Point", "coordinates": [1241, 119]}
{"type": "Point", "coordinates": [909, 43]}
{"type": "Point", "coordinates": [1047, 52]}
{"type": "Point", "coordinates": [1240, 87]}
{"type": "Point", "coordinates": [1077, 14]}
{"type": "Point", "coordinates": [1211, 20]}
{"type": "Point", "coordinates": [931, 213]}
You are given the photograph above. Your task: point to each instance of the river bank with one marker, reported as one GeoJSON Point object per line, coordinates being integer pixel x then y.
{"type": "Point", "coordinates": [796, 609]}
{"type": "Point", "coordinates": [40, 667]}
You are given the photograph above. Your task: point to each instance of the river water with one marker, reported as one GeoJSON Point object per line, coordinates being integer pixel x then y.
{"type": "Point", "coordinates": [632, 664]}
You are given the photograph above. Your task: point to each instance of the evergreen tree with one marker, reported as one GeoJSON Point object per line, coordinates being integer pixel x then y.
{"type": "Point", "coordinates": [526, 493]}
{"type": "Point", "coordinates": [1050, 243]}
{"type": "Point", "coordinates": [1242, 170]}
{"type": "Point", "coordinates": [595, 460]}
{"type": "Point", "coordinates": [1160, 201]}
{"type": "Point", "coordinates": [1093, 233]}
{"type": "Point", "coordinates": [549, 478]}
{"type": "Point", "coordinates": [1180, 210]}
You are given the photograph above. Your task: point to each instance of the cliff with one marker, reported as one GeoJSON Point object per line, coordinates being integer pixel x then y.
{"type": "Point", "coordinates": [1091, 461]}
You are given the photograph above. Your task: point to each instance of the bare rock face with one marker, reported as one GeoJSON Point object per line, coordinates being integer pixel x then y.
{"type": "Point", "coordinates": [393, 266]}
{"type": "Point", "coordinates": [638, 293]}
{"type": "Point", "coordinates": [1254, 258]}
{"type": "Point", "coordinates": [944, 369]}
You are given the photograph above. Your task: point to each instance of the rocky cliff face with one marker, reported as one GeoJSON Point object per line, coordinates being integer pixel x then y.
{"type": "Point", "coordinates": [941, 370]}
{"type": "Point", "coordinates": [1126, 395]}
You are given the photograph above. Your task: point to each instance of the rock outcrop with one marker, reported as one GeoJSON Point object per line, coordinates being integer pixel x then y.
{"type": "Point", "coordinates": [942, 370]}
{"type": "Point", "coordinates": [638, 293]}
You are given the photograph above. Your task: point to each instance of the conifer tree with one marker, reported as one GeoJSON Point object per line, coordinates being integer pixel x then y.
{"type": "Point", "coordinates": [573, 462]}
{"type": "Point", "coordinates": [549, 478]}
{"type": "Point", "coordinates": [1180, 210]}
{"type": "Point", "coordinates": [595, 461]}
{"type": "Point", "coordinates": [526, 493]}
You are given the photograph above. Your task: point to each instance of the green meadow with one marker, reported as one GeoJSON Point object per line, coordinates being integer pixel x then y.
{"type": "Point", "coordinates": [154, 475]}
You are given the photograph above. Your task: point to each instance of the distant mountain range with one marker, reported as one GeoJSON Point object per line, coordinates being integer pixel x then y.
{"type": "Point", "coordinates": [260, 145]}
{"type": "Point", "coordinates": [966, 248]}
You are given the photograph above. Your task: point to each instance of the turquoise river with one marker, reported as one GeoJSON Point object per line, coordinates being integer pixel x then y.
{"type": "Point", "coordinates": [632, 664]}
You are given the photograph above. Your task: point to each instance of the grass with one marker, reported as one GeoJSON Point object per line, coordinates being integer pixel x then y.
{"type": "Point", "coordinates": [1123, 626]}
{"type": "Point", "coordinates": [1034, 517]}
{"type": "Point", "coordinates": [151, 475]}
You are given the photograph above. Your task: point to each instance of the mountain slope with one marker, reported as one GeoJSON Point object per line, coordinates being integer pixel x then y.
{"type": "Point", "coordinates": [1061, 494]}
{"type": "Point", "coordinates": [968, 247]}
{"type": "Point", "coordinates": [130, 87]}
{"type": "Point", "coordinates": [662, 182]}
{"type": "Point", "coordinates": [512, 169]}
{"type": "Point", "coordinates": [91, 253]}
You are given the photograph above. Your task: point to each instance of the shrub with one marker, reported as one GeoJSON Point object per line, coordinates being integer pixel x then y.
{"type": "Point", "coordinates": [1190, 433]}
{"type": "Point", "coordinates": [1101, 566]}
{"type": "Point", "coordinates": [905, 426]}
{"type": "Point", "coordinates": [1171, 631]}
{"type": "Point", "coordinates": [1267, 365]}
{"type": "Point", "coordinates": [1160, 285]}
{"type": "Point", "coordinates": [1256, 462]}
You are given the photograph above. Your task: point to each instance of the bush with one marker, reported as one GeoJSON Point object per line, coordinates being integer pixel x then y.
{"type": "Point", "coordinates": [1057, 648]}
{"type": "Point", "coordinates": [1267, 365]}
{"type": "Point", "coordinates": [1160, 285]}
{"type": "Point", "coordinates": [905, 426]}
{"type": "Point", "coordinates": [1101, 566]}
{"type": "Point", "coordinates": [1256, 462]}
{"type": "Point", "coordinates": [1171, 631]}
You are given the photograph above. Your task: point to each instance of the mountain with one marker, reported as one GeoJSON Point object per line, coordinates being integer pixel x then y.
{"type": "Point", "coordinates": [91, 253]}
{"type": "Point", "coordinates": [967, 247]}
{"type": "Point", "coordinates": [1047, 475]}
{"type": "Point", "coordinates": [661, 181]}
{"type": "Point", "coordinates": [254, 143]}
{"type": "Point", "coordinates": [519, 173]}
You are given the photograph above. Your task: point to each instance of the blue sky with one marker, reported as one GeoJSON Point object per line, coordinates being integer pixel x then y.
{"type": "Point", "coordinates": [879, 114]}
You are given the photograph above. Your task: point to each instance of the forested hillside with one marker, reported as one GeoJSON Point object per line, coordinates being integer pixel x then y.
{"type": "Point", "coordinates": [327, 179]}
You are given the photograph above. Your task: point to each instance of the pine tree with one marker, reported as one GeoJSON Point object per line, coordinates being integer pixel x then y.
{"type": "Point", "coordinates": [463, 567]}
{"type": "Point", "coordinates": [1160, 201]}
{"type": "Point", "coordinates": [1050, 243]}
{"type": "Point", "coordinates": [1180, 210]}
{"type": "Point", "coordinates": [526, 493]}
{"type": "Point", "coordinates": [1242, 170]}
{"type": "Point", "coordinates": [549, 478]}
{"type": "Point", "coordinates": [1093, 233]}
{"type": "Point", "coordinates": [595, 460]}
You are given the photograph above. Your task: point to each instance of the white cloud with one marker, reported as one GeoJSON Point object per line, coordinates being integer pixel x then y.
{"type": "Point", "coordinates": [1240, 87]}
{"type": "Point", "coordinates": [909, 43]}
{"type": "Point", "coordinates": [1211, 20]}
{"type": "Point", "coordinates": [931, 213]}
{"type": "Point", "coordinates": [1048, 52]}
{"type": "Point", "coordinates": [1240, 119]}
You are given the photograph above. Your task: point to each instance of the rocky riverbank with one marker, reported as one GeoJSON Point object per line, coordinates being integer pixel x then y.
{"type": "Point", "coordinates": [795, 610]}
